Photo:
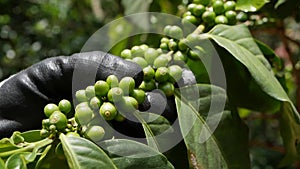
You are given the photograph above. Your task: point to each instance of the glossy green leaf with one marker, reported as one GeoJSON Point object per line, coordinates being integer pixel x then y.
{"type": "Point", "coordinates": [279, 2]}
{"type": "Point", "coordinates": [31, 136]}
{"type": "Point", "coordinates": [228, 145]}
{"type": "Point", "coordinates": [16, 161]}
{"type": "Point", "coordinates": [82, 153]}
{"type": "Point", "coordinates": [250, 5]}
{"type": "Point", "coordinates": [7, 145]}
{"type": "Point", "coordinates": [257, 87]}
{"type": "Point", "coordinates": [130, 154]}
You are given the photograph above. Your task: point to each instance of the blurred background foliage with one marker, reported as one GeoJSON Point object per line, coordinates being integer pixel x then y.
{"type": "Point", "coordinates": [32, 30]}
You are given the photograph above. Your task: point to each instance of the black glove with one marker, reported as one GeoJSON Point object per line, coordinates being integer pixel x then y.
{"type": "Point", "coordinates": [23, 96]}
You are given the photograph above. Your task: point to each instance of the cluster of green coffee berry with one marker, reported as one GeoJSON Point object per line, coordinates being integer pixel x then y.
{"type": "Point", "coordinates": [209, 13]}
{"type": "Point", "coordinates": [57, 121]}
{"type": "Point", "coordinates": [161, 68]}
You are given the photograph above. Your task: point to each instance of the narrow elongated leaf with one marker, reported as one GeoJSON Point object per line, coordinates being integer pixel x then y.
{"type": "Point", "coordinates": [82, 153]}
{"type": "Point", "coordinates": [130, 154]}
{"type": "Point", "coordinates": [7, 145]}
{"type": "Point", "coordinates": [201, 154]}
{"type": "Point", "coordinates": [250, 5]}
{"type": "Point", "coordinates": [250, 83]}
{"type": "Point", "coordinates": [228, 145]}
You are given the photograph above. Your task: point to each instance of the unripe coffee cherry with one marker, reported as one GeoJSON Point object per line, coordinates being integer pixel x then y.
{"type": "Point", "coordinates": [115, 94]}
{"type": "Point", "coordinates": [175, 32]}
{"type": "Point", "coordinates": [175, 73]}
{"type": "Point", "coordinates": [90, 92]}
{"type": "Point", "coordinates": [218, 7]}
{"type": "Point", "coordinates": [179, 57]}
{"type": "Point", "coordinates": [65, 106]}
{"type": "Point", "coordinates": [140, 61]}
{"type": "Point", "coordinates": [139, 95]}
{"type": "Point", "coordinates": [172, 45]}
{"type": "Point", "coordinates": [148, 85]}
{"type": "Point", "coordinates": [209, 17]}
{"type": "Point", "coordinates": [95, 103]}
{"type": "Point", "coordinates": [127, 84]}
{"type": "Point", "coordinates": [229, 5]}
{"type": "Point", "coordinates": [112, 81]}
{"type": "Point", "coordinates": [167, 88]}
{"type": "Point", "coordinates": [58, 119]}
{"type": "Point", "coordinates": [101, 88]}
{"type": "Point", "coordinates": [80, 96]}
{"type": "Point", "coordinates": [160, 61]}
{"type": "Point", "coordinates": [137, 51]}
{"type": "Point", "coordinates": [189, 19]}
{"type": "Point", "coordinates": [198, 10]}
{"type": "Point", "coordinates": [221, 19]}
{"type": "Point", "coordinates": [95, 133]}
{"type": "Point", "coordinates": [108, 111]}
{"type": "Point", "coordinates": [164, 46]}
{"type": "Point", "coordinates": [162, 74]}
{"type": "Point", "coordinates": [148, 73]}
{"type": "Point", "coordinates": [83, 115]}
{"type": "Point", "coordinates": [50, 108]}
{"type": "Point", "coordinates": [129, 104]}
{"type": "Point", "coordinates": [126, 54]}
{"type": "Point", "coordinates": [151, 54]}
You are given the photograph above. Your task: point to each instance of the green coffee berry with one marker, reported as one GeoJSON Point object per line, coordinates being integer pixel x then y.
{"type": "Point", "coordinates": [229, 5]}
{"type": "Point", "coordinates": [82, 104]}
{"type": "Point", "coordinates": [127, 84]}
{"type": "Point", "coordinates": [164, 46]}
{"type": "Point", "coordinates": [151, 54]}
{"type": "Point", "coordinates": [209, 17]}
{"type": "Point", "coordinates": [162, 74]}
{"type": "Point", "coordinates": [95, 103]}
{"type": "Point", "coordinates": [175, 73]}
{"type": "Point", "coordinates": [182, 45]}
{"type": "Point", "coordinates": [148, 85]}
{"type": "Point", "coordinates": [65, 106]}
{"type": "Point", "coordinates": [58, 119]}
{"type": "Point", "coordinates": [140, 61]}
{"type": "Point", "coordinates": [163, 40]}
{"type": "Point", "coordinates": [80, 96]}
{"type": "Point", "coordinates": [175, 32]}
{"type": "Point", "coordinates": [137, 51]}
{"type": "Point", "coordinates": [46, 123]}
{"type": "Point", "coordinates": [115, 94]}
{"type": "Point", "coordinates": [108, 111]}
{"type": "Point", "coordinates": [193, 55]}
{"type": "Point", "coordinates": [126, 54]}
{"type": "Point", "coordinates": [190, 19]}
{"type": "Point", "coordinates": [198, 10]}
{"type": "Point", "coordinates": [83, 115]}
{"type": "Point", "coordinates": [167, 88]}
{"type": "Point", "coordinates": [50, 108]}
{"type": "Point", "coordinates": [218, 7]}
{"type": "Point", "coordinates": [191, 7]}
{"type": "Point", "coordinates": [112, 81]}
{"type": "Point", "coordinates": [179, 57]}
{"type": "Point", "coordinates": [52, 128]}
{"type": "Point", "coordinates": [129, 104]}
{"type": "Point", "coordinates": [242, 17]}
{"type": "Point", "coordinates": [144, 47]}
{"type": "Point", "coordinates": [90, 92]}
{"type": "Point", "coordinates": [148, 73]}
{"type": "Point", "coordinates": [167, 29]}
{"type": "Point", "coordinates": [119, 117]}
{"type": "Point", "coordinates": [172, 45]}
{"type": "Point", "coordinates": [44, 133]}
{"type": "Point", "coordinates": [95, 133]}
{"type": "Point", "coordinates": [221, 19]}
{"type": "Point", "coordinates": [231, 16]}
{"type": "Point", "coordinates": [101, 88]}
{"type": "Point", "coordinates": [139, 95]}
{"type": "Point", "coordinates": [187, 13]}
{"type": "Point", "coordinates": [160, 62]}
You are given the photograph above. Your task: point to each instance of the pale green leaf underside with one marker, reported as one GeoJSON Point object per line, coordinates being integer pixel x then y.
{"type": "Point", "coordinates": [250, 5]}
